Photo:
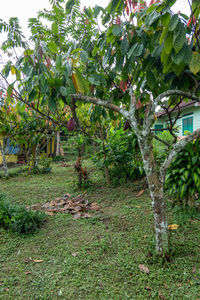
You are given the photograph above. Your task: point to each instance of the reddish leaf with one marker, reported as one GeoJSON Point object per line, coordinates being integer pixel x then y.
{"type": "Point", "coordinates": [148, 288]}
{"type": "Point", "coordinates": [140, 193]}
{"type": "Point", "coordinates": [27, 273]}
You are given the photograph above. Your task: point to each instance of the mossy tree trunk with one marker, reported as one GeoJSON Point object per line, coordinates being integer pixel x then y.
{"type": "Point", "coordinates": [5, 167]}
{"type": "Point", "coordinates": [157, 196]}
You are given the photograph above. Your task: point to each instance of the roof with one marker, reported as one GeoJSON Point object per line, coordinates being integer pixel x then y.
{"type": "Point", "coordinates": [181, 106]}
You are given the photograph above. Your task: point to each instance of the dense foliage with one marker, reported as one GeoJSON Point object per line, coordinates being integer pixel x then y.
{"type": "Point", "coordinates": [183, 175]}
{"type": "Point", "coordinates": [122, 156]}
{"type": "Point", "coordinates": [18, 218]}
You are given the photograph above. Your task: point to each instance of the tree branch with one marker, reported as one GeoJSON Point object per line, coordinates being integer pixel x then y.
{"type": "Point", "coordinates": [174, 92]}
{"type": "Point", "coordinates": [176, 148]}
{"type": "Point", "coordinates": [103, 103]}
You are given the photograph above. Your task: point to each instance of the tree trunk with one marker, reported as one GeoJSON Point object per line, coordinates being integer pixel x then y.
{"type": "Point", "coordinates": [37, 155]}
{"type": "Point", "coordinates": [57, 143]}
{"type": "Point", "coordinates": [5, 167]}
{"type": "Point", "coordinates": [106, 169]}
{"type": "Point", "coordinates": [157, 196]}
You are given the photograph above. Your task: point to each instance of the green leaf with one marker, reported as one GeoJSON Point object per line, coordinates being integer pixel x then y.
{"type": "Point", "coordinates": [194, 160]}
{"type": "Point", "coordinates": [63, 91]}
{"type": "Point", "coordinates": [58, 62]}
{"type": "Point", "coordinates": [124, 46]}
{"type": "Point", "coordinates": [114, 5]}
{"type": "Point", "coordinates": [52, 103]}
{"type": "Point", "coordinates": [136, 50]}
{"type": "Point", "coordinates": [179, 38]}
{"type": "Point", "coordinates": [195, 63]}
{"type": "Point", "coordinates": [183, 189]}
{"type": "Point", "coordinates": [32, 95]}
{"type": "Point", "coordinates": [150, 79]}
{"type": "Point", "coordinates": [162, 37]}
{"type": "Point", "coordinates": [165, 19]}
{"type": "Point", "coordinates": [117, 30]}
{"type": "Point", "coordinates": [179, 57]}
{"type": "Point", "coordinates": [53, 47]}
{"type": "Point", "coordinates": [84, 56]}
{"type": "Point", "coordinates": [168, 44]}
{"type": "Point", "coordinates": [173, 22]}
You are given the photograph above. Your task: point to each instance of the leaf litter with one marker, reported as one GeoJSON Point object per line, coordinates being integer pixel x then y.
{"type": "Point", "coordinates": [77, 206]}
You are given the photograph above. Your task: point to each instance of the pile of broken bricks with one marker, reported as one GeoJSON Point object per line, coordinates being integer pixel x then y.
{"type": "Point", "coordinates": [77, 206]}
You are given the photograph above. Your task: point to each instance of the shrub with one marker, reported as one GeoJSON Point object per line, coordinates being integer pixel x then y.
{"type": "Point", "coordinates": [160, 149]}
{"type": "Point", "coordinates": [122, 156]}
{"type": "Point", "coordinates": [17, 218]}
{"type": "Point", "coordinates": [183, 176]}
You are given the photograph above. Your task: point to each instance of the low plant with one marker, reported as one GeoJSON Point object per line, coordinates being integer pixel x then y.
{"type": "Point", "coordinates": [17, 218]}
{"type": "Point", "coordinates": [160, 149]}
{"type": "Point", "coordinates": [183, 176]}
{"type": "Point", "coordinates": [45, 163]}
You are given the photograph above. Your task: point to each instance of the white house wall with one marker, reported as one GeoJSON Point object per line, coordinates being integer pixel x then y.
{"type": "Point", "coordinates": [179, 123]}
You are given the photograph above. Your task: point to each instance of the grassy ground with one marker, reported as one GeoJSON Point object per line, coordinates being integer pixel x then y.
{"type": "Point", "coordinates": [99, 257]}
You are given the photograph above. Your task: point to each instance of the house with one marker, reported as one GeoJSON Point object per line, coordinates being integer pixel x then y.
{"type": "Point", "coordinates": [17, 154]}
{"type": "Point", "coordinates": [11, 152]}
{"type": "Point", "coordinates": [188, 120]}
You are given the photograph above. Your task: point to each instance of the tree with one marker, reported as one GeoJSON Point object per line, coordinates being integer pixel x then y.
{"type": "Point", "coordinates": [142, 56]}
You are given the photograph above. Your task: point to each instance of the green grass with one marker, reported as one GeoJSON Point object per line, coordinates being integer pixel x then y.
{"type": "Point", "coordinates": [109, 246]}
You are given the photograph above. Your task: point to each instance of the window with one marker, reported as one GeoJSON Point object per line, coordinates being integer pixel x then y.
{"type": "Point", "coordinates": [158, 126]}
{"type": "Point", "coordinates": [187, 125]}
{"type": "Point", "coordinates": [9, 148]}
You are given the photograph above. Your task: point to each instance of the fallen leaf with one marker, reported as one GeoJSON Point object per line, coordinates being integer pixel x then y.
{"type": "Point", "coordinates": [49, 213]}
{"type": "Point", "coordinates": [6, 289]}
{"type": "Point", "coordinates": [161, 296]}
{"type": "Point", "coordinates": [87, 216]}
{"type": "Point", "coordinates": [145, 236]}
{"type": "Point", "coordinates": [179, 284]}
{"type": "Point", "coordinates": [166, 286]}
{"type": "Point", "coordinates": [27, 273]}
{"type": "Point", "coordinates": [173, 226]}
{"type": "Point", "coordinates": [193, 270]}
{"type": "Point", "coordinates": [38, 260]}
{"type": "Point", "coordinates": [144, 269]}
{"type": "Point", "coordinates": [138, 206]}
{"type": "Point", "coordinates": [77, 216]}
{"type": "Point", "coordinates": [27, 260]}
{"type": "Point", "coordinates": [75, 254]}
{"type": "Point", "coordinates": [95, 206]}
{"type": "Point", "coordinates": [140, 193]}
{"type": "Point", "coordinates": [148, 288]}
{"type": "Point", "coordinates": [192, 221]}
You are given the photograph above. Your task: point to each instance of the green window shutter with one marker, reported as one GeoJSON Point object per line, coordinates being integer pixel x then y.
{"type": "Point", "coordinates": [187, 125]}
{"type": "Point", "coordinates": [158, 126]}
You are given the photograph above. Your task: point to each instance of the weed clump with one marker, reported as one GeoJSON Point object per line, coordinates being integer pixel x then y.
{"type": "Point", "coordinates": [18, 218]}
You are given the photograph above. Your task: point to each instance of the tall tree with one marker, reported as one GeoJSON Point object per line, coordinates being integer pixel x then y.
{"type": "Point", "coordinates": [138, 57]}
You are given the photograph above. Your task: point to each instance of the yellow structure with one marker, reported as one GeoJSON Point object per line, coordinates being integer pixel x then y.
{"type": "Point", "coordinates": [10, 158]}
{"type": "Point", "coordinates": [13, 158]}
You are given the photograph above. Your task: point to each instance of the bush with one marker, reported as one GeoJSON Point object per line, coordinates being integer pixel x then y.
{"type": "Point", "coordinates": [160, 149]}
{"type": "Point", "coordinates": [17, 218]}
{"type": "Point", "coordinates": [122, 156]}
{"type": "Point", "coordinates": [183, 176]}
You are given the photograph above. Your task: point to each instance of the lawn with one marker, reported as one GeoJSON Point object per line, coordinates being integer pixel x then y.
{"type": "Point", "coordinates": [98, 257]}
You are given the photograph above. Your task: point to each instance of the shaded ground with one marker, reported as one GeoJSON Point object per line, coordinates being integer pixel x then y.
{"type": "Point", "coordinates": [96, 258]}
